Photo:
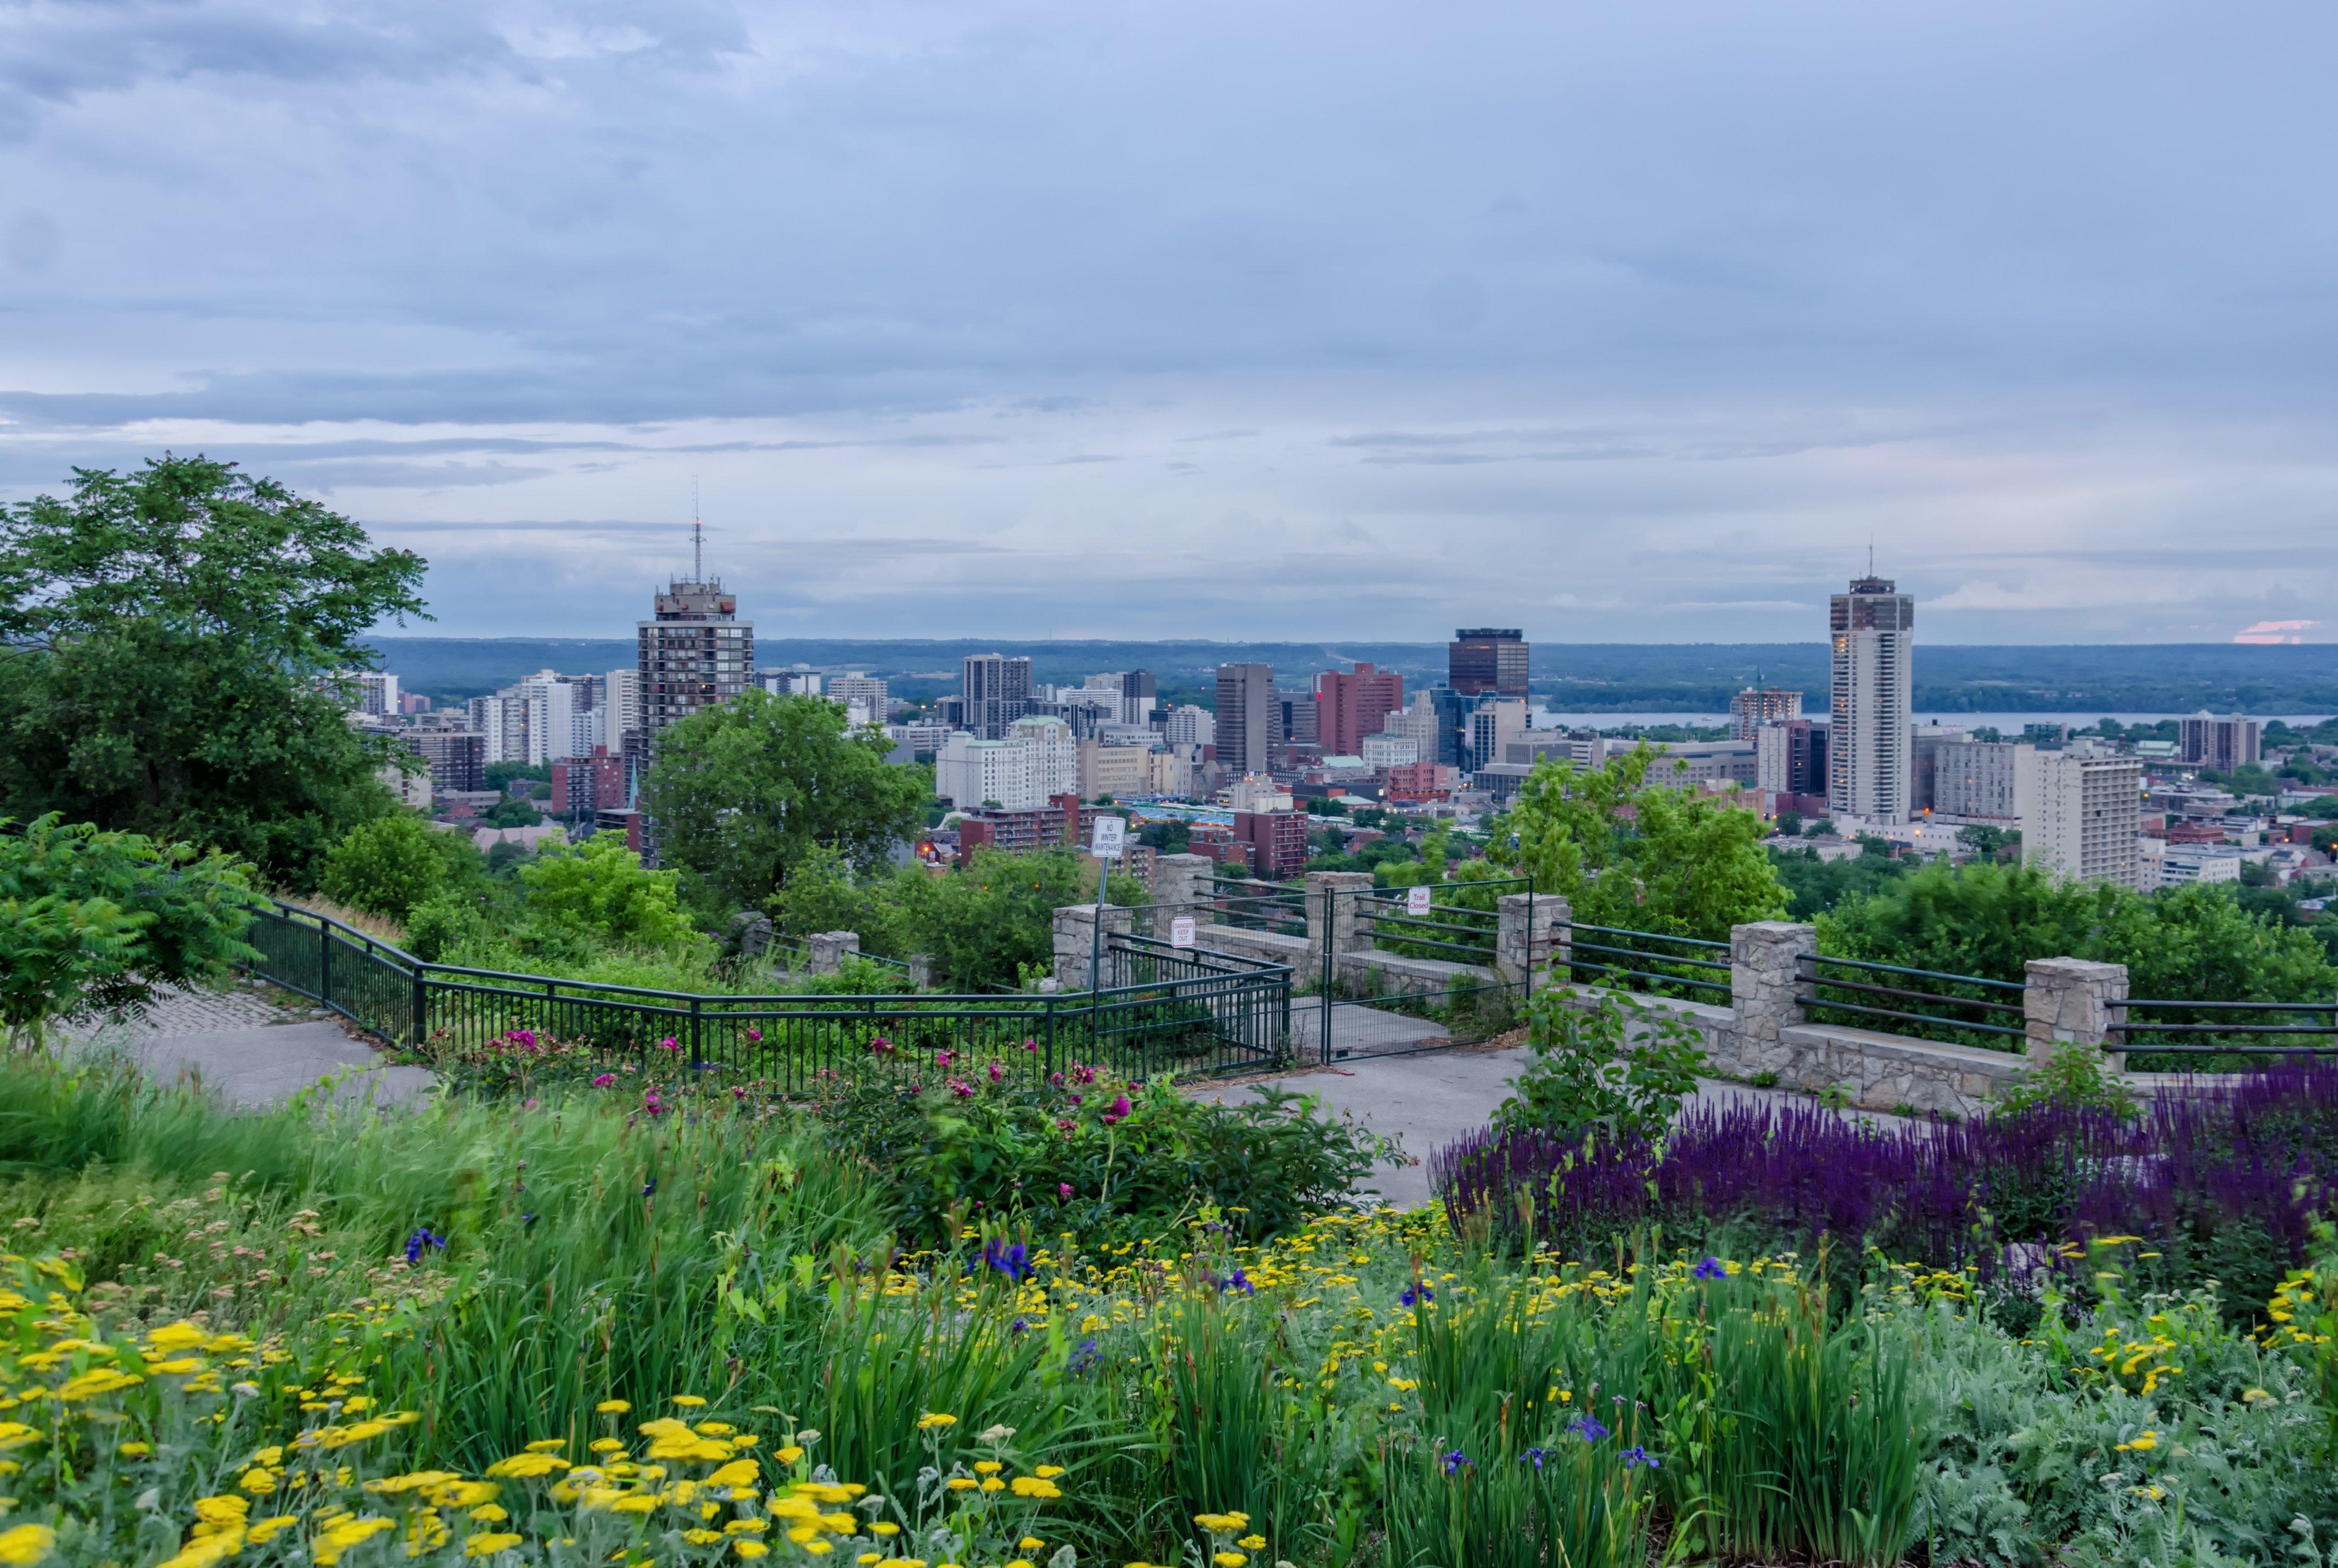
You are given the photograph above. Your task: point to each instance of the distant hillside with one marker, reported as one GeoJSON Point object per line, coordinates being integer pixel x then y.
{"type": "Point", "coordinates": [1588, 676]}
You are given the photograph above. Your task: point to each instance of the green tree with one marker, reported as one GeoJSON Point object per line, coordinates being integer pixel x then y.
{"type": "Point", "coordinates": [743, 792]}
{"type": "Point", "coordinates": [97, 920]}
{"type": "Point", "coordinates": [393, 864]}
{"type": "Point", "coordinates": [1637, 854]}
{"type": "Point", "coordinates": [1988, 842]}
{"type": "Point", "coordinates": [600, 890]}
{"type": "Point", "coordinates": [1789, 824]}
{"type": "Point", "coordinates": [995, 919]}
{"type": "Point", "coordinates": [169, 641]}
{"type": "Point", "coordinates": [513, 812]}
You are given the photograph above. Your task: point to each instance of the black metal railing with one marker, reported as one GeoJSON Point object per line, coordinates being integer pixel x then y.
{"type": "Point", "coordinates": [1649, 961]}
{"type": "Point", "coordinates": [1960, 1009]}
{"type": "Point", "coordinates": [1453, 926]}
{"type": "Point", "coordinates": [1160, 1008]}
{"type": "Point", "coordinates": [2149, 1027]}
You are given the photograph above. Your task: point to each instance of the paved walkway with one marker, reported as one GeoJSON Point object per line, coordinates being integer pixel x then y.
{"type": "Point", "coordinates": [252, 1051]}
{"type": "Point", "coordinates": [1438, 1098]}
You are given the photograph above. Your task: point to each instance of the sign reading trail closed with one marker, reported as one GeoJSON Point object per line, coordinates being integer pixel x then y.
{"type": "Point", "coordinates": [1181, 931]}
{"type": "Point", "coordinates": [1416, 901]}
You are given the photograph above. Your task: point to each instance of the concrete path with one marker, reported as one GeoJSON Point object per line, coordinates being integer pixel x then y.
{"type": "Point", "coordinates": [1358, 1030]}
{"type": "Point", "coordinates": [253, 1050]}
{"type": "Point", "coordinates": [1440, 1097]}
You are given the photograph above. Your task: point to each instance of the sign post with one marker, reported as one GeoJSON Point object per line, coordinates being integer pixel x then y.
{"type": "Point", "coordinates": [1111, 836]}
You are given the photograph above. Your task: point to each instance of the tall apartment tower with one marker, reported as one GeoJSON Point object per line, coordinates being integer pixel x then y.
{"type": "Point", "coordinates": [1487, 658]}
{"type": "Point", "coordinates": [694, 653]}
{"type": "Point", "coordinates": [998, 691]}
{"type": "Point", "coordinates": [2221, 743]}
{"type": "Point", "coordinates": [2080, 814]}
{"type": "Point", "coordinates": [1758, 705]}
{"type": "Point", "coordinates": [1248, 717]}
{"type": "Point", "coordinates": [1873, 629]}
{"type": "Point", "coordinates": [1352, 706]}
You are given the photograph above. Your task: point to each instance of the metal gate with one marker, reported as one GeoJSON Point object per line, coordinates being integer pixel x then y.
{"type": "Point", "coordinates": [1394, 978]}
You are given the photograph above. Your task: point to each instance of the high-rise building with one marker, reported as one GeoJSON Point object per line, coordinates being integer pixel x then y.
{"type": "Point", "coordinates": [2080, 814]}
{"type": "Point", "coordinates": [1301, 720]}
{"type": "Point", "coordinates": [1187, 725]}
{"type": "Point", "coordinates": [1485, 660]}
{"type": "Point", "coordinates": [1791, 757]}
{"type": "Point", "coordinates": [2223, 743]}
{"type": "Point", "coordinates": [458, 758]}
{"type": "Point", "coordinates": [867, 694]}
{"type": "Point", "coordinates": [372, 692]}
{"type": "Point", "coordinates": [1492, 725]}
{"type": "Point", "coordinates": [997, 693]}
{"type": "Point", "coordinates": [1873, 629]}
{"type": "Point", "coordinates": [1758, 705]}
{"type": "Point", "coordinates": [694, 653]}
{"type": "Point", "coordinates": [1058, 764]}
{"type": "Point", "coordinates": [1138, 697]}
{"type": "Point", "coordinates": [1246, 717]}
{"type": "Point", "coordinates": [1975, 779]}
{"type": "Point", "coordinates": [1925, 745]}
{"type": "Point", "coordinates": [1352, 706]}
{"type": "Point", "coordinates": [622, 695]}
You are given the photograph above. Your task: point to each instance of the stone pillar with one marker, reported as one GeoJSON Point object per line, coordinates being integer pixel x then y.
{"type": "Point", "coordinates": [1181, 884]}
{"type": "Point", "coordinates": [1075, 937]}
{"type": "Point", "coordinates": [1765, 986]}
{"type": "Point", "coordinates": [921, 971]}
{"type": "Point", "coordinates": [2073, 1002]}
{"type": "Point", "coordinates": [1529, 933]}
{"type": "Point", "coordinates": [826, 951]}
{"type": "Point", "coordinates": [1335, 927]}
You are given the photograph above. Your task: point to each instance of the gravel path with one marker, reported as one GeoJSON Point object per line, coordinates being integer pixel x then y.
{"type": "Point", "coordinates": [253, 1051]}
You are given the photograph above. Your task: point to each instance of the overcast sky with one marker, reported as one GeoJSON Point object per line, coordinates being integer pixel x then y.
{"type": "Point", "coordinates": [1629, 321]}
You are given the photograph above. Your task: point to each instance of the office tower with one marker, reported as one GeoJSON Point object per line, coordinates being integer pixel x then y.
{"type": "Point", "coordinates": [1187, 725]}
{"type": "Point", "coordinates": [1758, 705]}
{"type": "Point", "coordinates": [1975, 779]}
{"type": "Point", "coordinates": [1246, 717]}
{"type": "Point", "coordinates": [2206, 741]}
{"type": "Point", "coordinates": [1873, 629]}
{"type": "Point", "coordinates": [1925, 744]}
{"type": "Point", "coordinates": [694, 655]}
{"type": "Point", "coordinates": [1301, 720]}
{"type": "Point", "coordinates": [997, 693]}
{"type": "Point", "coordinates": [1138, 697]}
{"type": "Point", "coordinates": [1492, 725]}
{"type": "Point", "coordinates": [2080, 814]}
{"type": "Point", "coordinates": [1486, 660]}
{"type": "Point", "coordinates": [1791, 757]}
{"type": "Point", "coordinates": [1352, 706]}
{"type": "Point", "coordinates": [1451, 710]}
{"type": "Point", "coordinates": [458, 758]}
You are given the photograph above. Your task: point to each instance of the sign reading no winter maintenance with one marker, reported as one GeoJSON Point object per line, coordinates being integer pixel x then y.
{"type": "Point", "coordinates": [1111, 833]}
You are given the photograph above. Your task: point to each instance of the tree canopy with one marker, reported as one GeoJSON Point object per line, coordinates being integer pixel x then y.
{"type": "Point", "coordinates": [1639, 853]}
{"type": "Point", "coordinates": [169, 644]}
{"type": "Point", "coordinates": [742, 792]}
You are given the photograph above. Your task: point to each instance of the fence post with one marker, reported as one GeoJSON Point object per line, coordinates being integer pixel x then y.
{"type": "Point", "coordinates": [697, 1039]}
{"type": "Point", "coordinates": [421, 1009]}
{"type": "Point", "coordinates": [324, 963]}
{"type": "Point", "coordinates": [828, 950]}
{"type": "Point", "coordinates": [1181, 886]}
{"type": "Point", "coordinates": [1765, 991]}
{"type": "Point", "coordinates": [1050, 1071]}
{"type": "Point", "coordinates": [2068, 1002]}
{"type": "Point", "coordinates": [1522, 929]}
{"type": "Point", "coordinates": [1332, 924]}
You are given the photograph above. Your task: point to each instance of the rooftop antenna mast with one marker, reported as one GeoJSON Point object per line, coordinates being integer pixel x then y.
{"type": "Point", "coordinates": [697, 538]}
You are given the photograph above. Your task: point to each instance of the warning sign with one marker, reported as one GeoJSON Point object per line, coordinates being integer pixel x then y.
{"type": "Point", "coordinates": [1181, 931]}
{"type": "Point", "coordinates": [1416, 901]}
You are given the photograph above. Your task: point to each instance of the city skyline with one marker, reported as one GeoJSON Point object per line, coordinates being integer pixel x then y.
{"type": "Point", "coordinates": [1629, 325]}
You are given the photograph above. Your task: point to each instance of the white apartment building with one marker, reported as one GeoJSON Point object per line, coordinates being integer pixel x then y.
{"type": "Point", "coordinates": [1975, 779]}
{"type": "Point", "coordinates": [1417, 719]}
{"type": "Point", "coordinates": [861, 692]}
{"type": "Point", "coordinates": [372, 692]}
{"type": "Point", "coordinates": [1872, 632]}
{"type": "Point", "coordinates": [1119, 772]}
{"type": "Point", "coordinates": [1258, 793]}
{"type": "Point", "coordinates": [2081, 814]}
{"type": "Point", "coordinates": [1058, 753]}
{"type": "Point", "coordinates": [919, 737]}
{"type": "Point", "coordinates": [2179, 867]}
{"type": "Point", "coordinates": [969, 772]}
{"type": "Point", "coordinates": [1190, 726]}
{"type": "Point", "coordinates": [622, 699]}
{"type": "Point", "coordinates": [1387, 751]}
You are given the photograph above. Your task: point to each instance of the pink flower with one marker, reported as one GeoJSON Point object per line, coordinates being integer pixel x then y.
{"type": "Point", "coordinates": [1120, 1106]}
{"type": "Point", "coordinates": [1065, 1124]}
{"type": "Point", "coordinates": [1030, 1044]}
{"type": "Point", "coordinates": [669, 1043]}
{"type": "Point", "coordinates": [1083, 1075]}
{"type": "Point", "coordinates": [755, 1035]}
{"type": "Point", "coordinates": [605, 1079]}
{"type": "Point", "coordinates": [738, 1091]}
{"type": "Point", "coordinates": [996, 1073]}
{"type": "Point", "coordinates": [879, 1046]}
{"type": "Point", "coordinates": [961, 1088]}
{"type": "Point", "coordinates": [944, 1058]}
{"type": "Point", "coordinates": [1063, 1188]}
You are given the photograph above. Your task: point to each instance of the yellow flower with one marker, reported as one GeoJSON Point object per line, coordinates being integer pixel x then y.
{"type": "Point", "coordinates": [988, 1467]}
{"type": "Point", "coordinates": [24, 1544]}
{"type": "Point", "coordinates": [932, 1419]}
{"type": "Point", "coordinates": [221, 1510]}
{"type": "Point", "coordinates": [965, 1484]}
{"type": "Point", "coordinates": [257, 1480]}
{"type": "Point", "coordinates": [489, 1513]}
{"type": "Point", "coordinates": [1029, 1543]}
{"type": "Point", "coordinates": [487, 1545]}
{"type": "Point", "coordinates": [1049, 1471]}
{"type": "Point", "coordinates": [752, 1549]}
{"type": "Point", "coordinates": [1228, 1559]}
{"type": "Point", "coordinates": [180, 1336]}
{"type": "Point", "coordinates": [523, 1466]}
{"type": "Point", "coordinates": [201, 1553]}
{"type": "Point", "coordinates": [1252, 1542]}
{"type": "Point", "coordinates": [790, 1455]}
{"type": "Point", "coordinates": [688, 1401]}
{"type": "Point", "coordinates": [104, 1380]}
{"type": "Point", "coordinates": [260, 1534]}
{"type": "Point", "coordinates": [1033, 1486]}
{"type": "Point", "coordinates": [134, 1450]}
{"type": "Point", "coordinates": [613, 1407]}
{"type": "Point", "coordinates": [547, 1445]}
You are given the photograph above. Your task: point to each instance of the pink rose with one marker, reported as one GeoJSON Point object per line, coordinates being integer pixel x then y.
{"type": "Point", "coordinates": [996, 1073]}
{"type": "Point", "coordinates": [669, 1043]}
{"type": "Point", "coordinates": [755, 1035]}
{"type": "Point", "coordinates": [605, 1079]}
{"type": "Point", "coordinates": [1063, 1188]}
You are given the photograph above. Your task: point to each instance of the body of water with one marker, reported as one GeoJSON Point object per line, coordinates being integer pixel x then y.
{"type": "Point", "coordinates": [2009, 724]}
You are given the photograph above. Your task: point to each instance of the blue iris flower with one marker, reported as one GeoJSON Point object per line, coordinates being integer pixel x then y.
{"type": "Point", "coordinates": [1454, 1461]}
{"type": "Point", "coordinates": [1710, 1269]}
{"type": "Point", "coordinates": [1635, 1457]}
{"type": "Point", "coordinates": [420, 1239]}
{"type": "Point", "coordinates": [1587, 1427]}
{"type": "Point", "coordinates": [1011, 1259]}
{"type": "Point", "coordinates": [1416, 1293]}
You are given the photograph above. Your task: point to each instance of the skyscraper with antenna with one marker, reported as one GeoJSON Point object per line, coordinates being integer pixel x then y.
{"type": "Point", "coordinates": [1871, 631]}
{"type": "Point", "coordinates": [694, 652]}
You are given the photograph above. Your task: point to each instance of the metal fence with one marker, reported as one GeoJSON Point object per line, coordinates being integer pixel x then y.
{"type": "Point", "coordinates": [1442, 991]}
{"type": "Point", "coordinates": [1200, 1013]}
{"type": "Point", "coordinates": [1960, 1009]}
{"type": "Point", "coordinates": [1650, 961]}
{"type": "Point", "coordinates": [2187, 1036]}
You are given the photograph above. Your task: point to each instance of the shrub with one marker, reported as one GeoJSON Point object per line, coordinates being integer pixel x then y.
{"type": "Point", "coordinates": [599, 891]}
{"type": "Point", "coordinates": [1613, 1064]}
{"type": "Point", "coordinates": [393, 864]}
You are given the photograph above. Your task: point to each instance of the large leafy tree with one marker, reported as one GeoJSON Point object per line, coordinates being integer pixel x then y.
{"type": "Point", "coordinates": [1633, 848]}
{"type": "Point", "coordinates": [168, 643]}
{"type": "Point", "coordinates": [742, 792]}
